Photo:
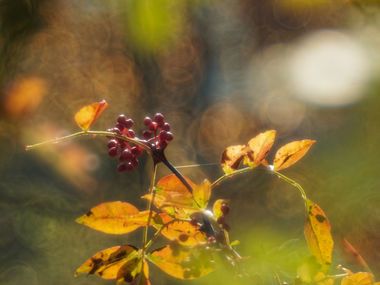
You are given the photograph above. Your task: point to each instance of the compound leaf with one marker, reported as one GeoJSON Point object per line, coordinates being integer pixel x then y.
{"type": "Point", "coordinates": [290, 153]}
{"type": "Point", "coordinates": [88, 114]}
{"type": "Point", "coordinates": [114, 218]}
{"type": "Point", "coordinates": [318, 234]}
{"type": "Point", "coordinates": [182, 262]}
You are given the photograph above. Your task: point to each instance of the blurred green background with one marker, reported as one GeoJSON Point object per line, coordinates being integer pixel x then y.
{"type": "Point", "coordinates": [221, 71]}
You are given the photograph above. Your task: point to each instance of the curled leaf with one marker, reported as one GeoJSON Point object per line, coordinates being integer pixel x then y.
{"type": "Point", "coordinates": [182, 262]}
{"type": "Point", "coordinates": [318, 234]}
{"type": "Point", "coordinates": [231, 158]}
{"type": "Point", "coordinates": [87, 115]}
{"type": "Point", "coordinates": [259, 146]}
{"type": "Point", "coordinates": [290, 153]}
{"type": "Point", "coordinates": [107, 262]}
{"type": "Point", "coordinates": [217, 207]}
{"type": "Point", "coordinates": [185, 233]}
{"type": "Point", "coordinates": [114, 218]}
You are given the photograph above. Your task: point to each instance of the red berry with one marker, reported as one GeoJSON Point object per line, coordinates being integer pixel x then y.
{"type": "Point", "coordinates": [169, 136]}
{"type": "Point", "coordinates": [159, 118]}
{"type": "Point", "coordinates": [153, 126]}
{"type": "Point", "coordinates": [225, 209]}
{"type": "Point", "coordinates": [162, 135]}
{"type": "Point", "coordinates": [112, 143]}
{"type": "Point", "coordinates": [112, 151]}
{"type": "Point", "coordinates": [147, 121]}
{"type": "Point", "coordinates": [122, 119]}
{"type": "Point", "coordinates": [120, 127]}
{"type": "Point", "coordinates": [122, 167]}
{"type": "Point", "coordinates": [116, 130]}
{"type": "Point", "coordinates": [126, 154]}
{"type": "Point", "coordinates": [129, 123]}
{"type": "Point", "coordinates": [166, 127]}
{"type": "Point", "coordinates": [147, 134]}
{"type": "Point", "coordinates": [135, 150]}
{"type": "Point", "coordinates": [134, 162]}
{"type": "Point", "coordinates": [131, 133]}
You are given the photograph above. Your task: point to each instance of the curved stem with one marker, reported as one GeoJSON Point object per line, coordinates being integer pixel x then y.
{"type": "Point", "coordinates": [291, 182]}
{"type": "Point", "coordinates": [90, 133]}
{"type": "Point", "coordinates": [230, 175]}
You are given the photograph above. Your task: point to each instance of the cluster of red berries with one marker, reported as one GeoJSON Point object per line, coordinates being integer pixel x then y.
{"type": "Point", "coordinates": [156, 136]}
{"type": "Point", "coordinates": [128, 155]}
{"type": "Point", "coordinates": [158, 133]}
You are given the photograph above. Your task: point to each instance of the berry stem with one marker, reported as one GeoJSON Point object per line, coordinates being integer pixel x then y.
{"type": "Point", "coordinates": [135, 141]}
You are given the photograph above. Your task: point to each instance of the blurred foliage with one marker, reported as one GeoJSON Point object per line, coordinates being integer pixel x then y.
{"type": "Point", "coordinates": [221, 71]}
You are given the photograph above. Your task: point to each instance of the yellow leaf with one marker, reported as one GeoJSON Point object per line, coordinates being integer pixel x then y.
{"type": "Point", "coordinates": [184, 233]}
{"type": "Point", "coordinates": [182, 262]}
{"type": "Point", "coordinates": [290, 153]}
{"type": "Point", "coordinates": [114, 218]}
{"type": "Point", "coordinates": [202, 193]}
{"type": "Point", "coordinates": [107, 263]}
{"type": "Point", "coordinates": [359, 278]}
{"type": "Point", "coordinates": [259, 146]}
{"type": "Point", "coordinates": [217, 207]}
{"type": "Point", "coordinates": [318, 234]}
{"type": "Point", "coordinates": [87, 115]}
{"type": "Point", "coordinates": [231, 157]}
{"type": "Point", "coordinates": [321, 279]}
{"type": "Point", "coordinates": [132, 271]}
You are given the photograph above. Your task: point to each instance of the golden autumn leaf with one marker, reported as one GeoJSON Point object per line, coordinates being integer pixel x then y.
{"type": "Point", "coordinates": [182, 262]}
{"type": "Point", "coordinates": [359, 278]}
{"type": "Point", "coordinates": [259, 146]}
{"type": "Point", "coordinates": [321, 279]}
{"type": "Point", "coordinates": [231, 157]}
{"type": "Point", "coordinates": [114, 218]}
{"type": "Point", "coordinates": [87, 115]}
{"type": "Point", "coordinates": [290, 153]}
{"type": "Point", "coordinates": [318, 234]}
{"type": "Point", "coordinates": [174, 198]}
{"type": "Point", "coordinates": [134, 272]}
{"type": "Point", "coordinates": [107, 262]}
{"type": "Point", "coordinates": [202, 193]}
{"type": "Point", "coordinates": [217, 207]}
{"type": "Point", "coordinates": [185, 233]}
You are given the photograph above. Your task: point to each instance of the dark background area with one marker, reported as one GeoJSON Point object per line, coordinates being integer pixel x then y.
{"type": "Point", "coordinates": [220, 71]}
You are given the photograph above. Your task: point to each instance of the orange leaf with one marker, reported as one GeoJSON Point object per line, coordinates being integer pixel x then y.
{"type": "Point", "coordinates": [173, 197]}
{"type": "Point", "coordinates": [114, 218]}
{"type": "Point", "coordinates": [359, 278]}
{"type": "Point", "coordinates": [107, 263]}
{"type": "Point", "coordinates": [87, 115]}
{"type": "Point", "coordinates": [318, 234]}
{"type": "Point", "coordinates": [184, 233]}
{"type": "Point", "coordinates": [231, 157]}
{"type": "Point", "coordinates": [290, 153]}
{"type": "Point", "coordinates": [259, 146]}
{"type": "Point", "coordinates": [182, 262]}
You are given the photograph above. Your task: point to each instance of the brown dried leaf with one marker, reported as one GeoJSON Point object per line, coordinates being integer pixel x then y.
{"type": "Point", "coordinates": [259, 146]}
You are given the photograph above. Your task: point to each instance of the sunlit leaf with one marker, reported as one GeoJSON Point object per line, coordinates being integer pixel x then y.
{"type": "Point", "coordinates": [114, 218]}
{"type": "Point", "coordinates": [107, 263]}
{"type": "Point", "coordinates": [202, 193]}
{"type": "Point", "coordinates": [259, 146]}
{"type": "Point", "coordinates": [87, 115]}
{"type": "Point", "coordinates": [321, 279]}
{"type": "Point", "coordinates": [173, 197]}
{"type": "Point", "coordinates": [318, 234]}
{"type": "Point", "coordinates": [185, 233]}
{"type": "Point", "coordinates": [231, 158]}
{"type": "Point", "coordinates": [359, 278]}
{"type": "Point", "coordinates": [217, 207]}
{"type": "Point", "coordinates": [182, 262]}
{"type": "Point", "coordinates": [290, 153]}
